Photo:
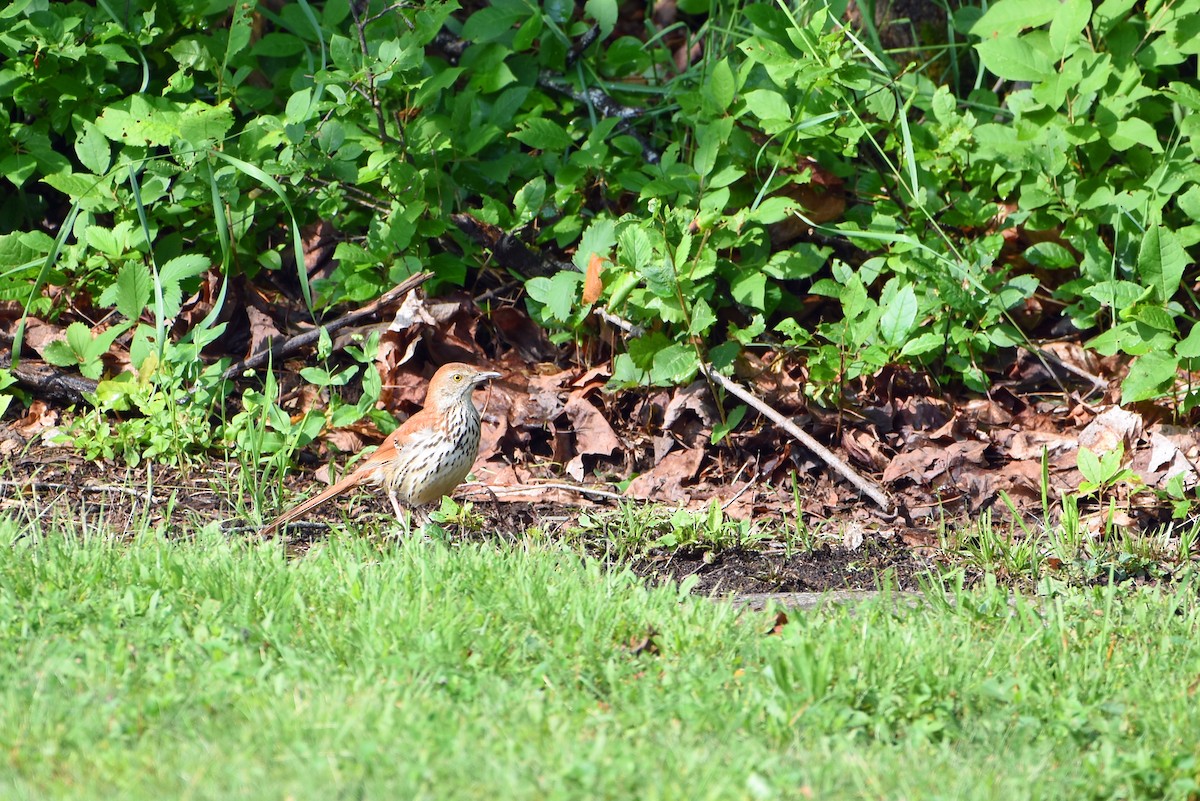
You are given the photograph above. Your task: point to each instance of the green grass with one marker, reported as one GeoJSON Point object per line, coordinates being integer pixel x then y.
{"type": "Point", "coordinates": [210, 669]}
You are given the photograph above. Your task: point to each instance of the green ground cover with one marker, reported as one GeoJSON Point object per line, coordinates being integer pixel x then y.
{"type": "Point", "coordinates": [152, 668]}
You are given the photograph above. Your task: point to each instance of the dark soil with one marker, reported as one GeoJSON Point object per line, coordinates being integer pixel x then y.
{"type": "Point", "coordinates": [60, 487]}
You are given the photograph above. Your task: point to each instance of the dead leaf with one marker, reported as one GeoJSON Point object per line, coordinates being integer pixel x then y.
{"type": "Point", "coordinates": [263, 330]}
{"type": "Point", "coordinates": [593, 434]}
{"type": "Point", "coordinates": [593, 286]}
{"type": "Point", "coordinates": [665, 481]}
{"type": "Point", "coordinates": [1111, 429]}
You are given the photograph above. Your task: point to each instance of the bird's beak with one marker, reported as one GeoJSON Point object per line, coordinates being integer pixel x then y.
{"type": "Point", "coordinates": [481, 377]}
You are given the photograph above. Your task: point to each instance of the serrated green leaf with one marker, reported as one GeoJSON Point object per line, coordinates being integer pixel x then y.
{"type": "Point", "coordinates": [131, 292]}
{"type": "Point", "coordinates": [105, 241]}
{"type": "Point", "coordinates": [540, 133]}
{"type": "Point", "coordinates": [173, 273]}
{"type": "Point", "coordinates": [674, 364]}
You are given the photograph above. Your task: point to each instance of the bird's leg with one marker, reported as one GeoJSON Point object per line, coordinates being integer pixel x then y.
{"type": "Point", "coordinates": [396, 504]}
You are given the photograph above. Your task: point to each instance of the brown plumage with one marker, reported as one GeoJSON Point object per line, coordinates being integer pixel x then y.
{"type": "Point", "coordinates": [427, 456]}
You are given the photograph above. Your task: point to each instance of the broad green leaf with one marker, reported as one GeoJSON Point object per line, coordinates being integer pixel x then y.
{"type": "Point", "coordinates": [1014, 59]}
{"type": "Point", "coordinates": [92, 149]}
{"type": "Point", "coordinates": [703, 318]}
{"type": "Point", "coordinates": [633, 247]}
{"type": "Point", "coordinates": [1007, 18]}
{"type": "Point", "coordinates": [106, 241]}
{"type": "Point", "coordinates": [1134, 131]}
{"type": "Point", "coordinates": [923, 343]}
{"type": "Point", "coordinates": [721, 86]}
{"type": "Point", "coordinates": [1161, 262]}
{"type": "Point", "coordinates": [749, 289]}
{"type": "Point", "coordinates": [558, 294]}
{"type": "Point", "coordinates": [767, 105]}
{"type": "Point", "coordinates": [1089, 465]}
{"type": "Point", "coordinates": [1070, 18]}
{"type": "Point", "coordinates": [1189, 347]}
{"type": "Point", "coordinates": [899, 316]}
{"type": "Point", "coordinates": [605, 14]}
{"type": "Point", "coordinates": [141, 120]}
{"type": "Point", "coordinates": [24, 250]}
{"type": "Point", "coordinates": [1150, 376]}
{"type": "Point", "coordinates": [527, 203]}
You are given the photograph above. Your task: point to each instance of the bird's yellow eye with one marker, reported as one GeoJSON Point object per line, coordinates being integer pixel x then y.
{"type": "Point", "coordinates": [458, 376]}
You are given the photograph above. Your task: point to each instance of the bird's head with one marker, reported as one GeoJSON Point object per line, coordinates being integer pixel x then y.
{"type": "Point", "coordinates": [453, 383]}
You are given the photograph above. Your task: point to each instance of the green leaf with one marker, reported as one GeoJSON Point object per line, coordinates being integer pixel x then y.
{"type": "Point", "coordinates": [767, 105]}
{"type": "Point", "coordinates": [1070, 18]}
{"type": "Point", "coordinates": [749, 289]}
{"type": "Point", "coordinates": [1161, 262]}
{"type": "Point", "coordinates": [106, 241]}
{"type": "Point", "coordinates": [1007, 18]}
{"type": "Point", "coordinates": [1150, 376]}
{"type": "Point", "coordinates": [1089, 466]}
{"type": "Point", "coordinates": [540, 133]}
{"type": "Point", "coordinates": [600, 238]}
{"type": "Point", "coordinates": [527, 202]}
{"type": "Point", "coordinates": [723, 429]}
{"type": "Point", "coordinates": [605, 14]}
{"type": "Point", "coordinates": [131, 292]}
{"type": "Point", "coordinates": [899, 317]}
{"type": "Point", "coordinates": [1134, 131]}
{"type": "Point", "coordinates": [1015, 59]}
{"type": "Point", "coordinates": [720, 88]}
{"type": "Point", "coordinates": [174, 272]}
{"type": "Point", "coordinates": [926, 342]}
{"type": "Point", "coordinates": [558, 294]}
{"type": "Point", "coordinates": [674, 364]}
{"type": "Point", "coordinates": [703, 318]}
{"type": "Point", "coordinates": [92, 149]}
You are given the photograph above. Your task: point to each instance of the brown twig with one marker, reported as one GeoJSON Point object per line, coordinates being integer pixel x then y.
{"type": "Point", "coordinates": [293, 344]}
{"type": "Point", "coordinates": [38, 486]}
{"type": "Point", "coordinates": [864, 485]}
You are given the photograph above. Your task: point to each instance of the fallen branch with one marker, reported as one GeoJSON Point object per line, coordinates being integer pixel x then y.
{"type": "Point", "coordinates": [867, 487]}
{"type": "Point", "coordinates": [582, 489]}
{"type": "Point", "coordinates": [39, 486]}
{"type": "Point", "coordinates": [300, 341]}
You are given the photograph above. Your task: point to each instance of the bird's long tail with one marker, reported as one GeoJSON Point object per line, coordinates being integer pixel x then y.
{"type": "Point", "coordinates": [353, 480]}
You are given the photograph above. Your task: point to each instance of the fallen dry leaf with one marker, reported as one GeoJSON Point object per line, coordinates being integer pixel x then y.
{"type": "Point", "coordinates": [593, 286]}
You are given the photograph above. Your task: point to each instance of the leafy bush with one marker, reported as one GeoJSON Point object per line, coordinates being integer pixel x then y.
{"type": "Point", "coordinates": [763, 164]}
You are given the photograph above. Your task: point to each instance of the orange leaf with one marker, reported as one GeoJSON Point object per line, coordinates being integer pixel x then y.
{"type": "Point", "coordinates": [593, 287]}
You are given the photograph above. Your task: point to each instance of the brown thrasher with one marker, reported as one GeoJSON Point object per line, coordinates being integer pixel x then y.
{"type": "Point", "coordinates": [427, 456]}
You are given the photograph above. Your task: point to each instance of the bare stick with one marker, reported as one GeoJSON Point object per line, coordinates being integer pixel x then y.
{"type": "Point", "coordinates": [38, 486]}
{"type": "Point", "coordinates": [582, 489]}
{"type": "Point", "coordinates": [293, 344]}
{"type": "Point", "coordinates": [867, 487]}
